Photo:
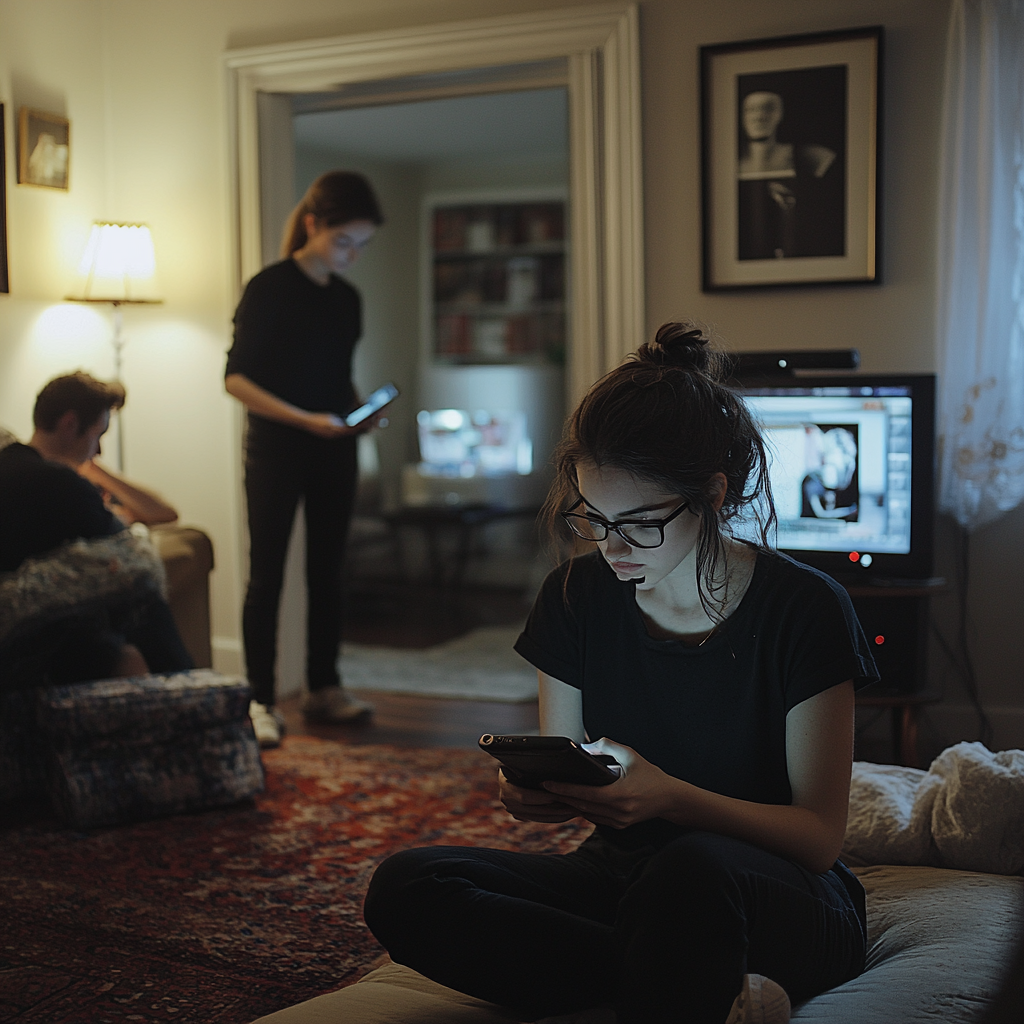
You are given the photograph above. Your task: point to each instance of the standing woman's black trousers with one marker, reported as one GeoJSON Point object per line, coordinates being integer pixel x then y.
{"type": "Point", "coordinates": [282, 465]}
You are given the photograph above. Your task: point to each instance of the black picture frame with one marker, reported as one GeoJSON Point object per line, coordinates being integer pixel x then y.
{"type": "Point", "coordinates": [791, 145]}
{"type": "Point", "coordinates": [5, 280]}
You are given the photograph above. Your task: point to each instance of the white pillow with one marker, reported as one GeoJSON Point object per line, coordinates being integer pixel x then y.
{"type": "Point", "coordinates": [966, 812]}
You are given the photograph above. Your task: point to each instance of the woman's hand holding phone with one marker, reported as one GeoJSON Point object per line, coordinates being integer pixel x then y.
{"type": "Point", "coordinates": [643, 791]}
{"type": "Point", "coordinates": [525, 762]}
{"type": "Point", "coordinates": [326, 424]}
{"type": "Point", "coordinates": [534, 804]}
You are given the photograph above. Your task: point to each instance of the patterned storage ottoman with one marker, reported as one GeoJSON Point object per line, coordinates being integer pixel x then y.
{"type": "Point", "coordinates": [22, 747]}
{"type": "Point", "coordinates": [123, 749]}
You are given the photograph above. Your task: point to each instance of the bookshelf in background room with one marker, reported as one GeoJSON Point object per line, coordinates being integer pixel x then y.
{"type": "Point", "coordinates": [497, 283]}
{"type": "Point", "coordinates": [494, 325]}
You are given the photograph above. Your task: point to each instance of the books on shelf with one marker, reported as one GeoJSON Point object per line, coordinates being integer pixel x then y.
{"type": "Point", "coordinates": [498, 282]}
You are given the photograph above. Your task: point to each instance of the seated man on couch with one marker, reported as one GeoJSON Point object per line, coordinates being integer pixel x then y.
{"type": "Point", "coordinates": [52, 492]}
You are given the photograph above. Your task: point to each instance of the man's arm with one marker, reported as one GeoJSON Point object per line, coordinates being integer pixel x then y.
{"type": "Point", "coordinates": [135, 504]}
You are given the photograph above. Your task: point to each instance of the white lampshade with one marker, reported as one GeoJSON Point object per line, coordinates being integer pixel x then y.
{"type": "Point", "coordinates": [119, 264]}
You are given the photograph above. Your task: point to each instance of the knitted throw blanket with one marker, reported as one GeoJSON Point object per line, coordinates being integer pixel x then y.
{"type": "Point", "coordinates": [77, 577]}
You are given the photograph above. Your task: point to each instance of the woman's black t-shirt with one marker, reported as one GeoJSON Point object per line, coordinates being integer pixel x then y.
{"type": "Point", "coordinates": [295, 338]}
{"type": "Point", "coordinates": [713, 715]}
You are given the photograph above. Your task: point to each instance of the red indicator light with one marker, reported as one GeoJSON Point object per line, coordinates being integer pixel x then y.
{"type": "Point", "coordinates": [854, 556]}
{"type": "Point", "coordinates": [879, 640]}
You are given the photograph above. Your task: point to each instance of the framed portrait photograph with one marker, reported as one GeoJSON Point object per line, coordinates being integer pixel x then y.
{"type": "Point", "coordinates": [790, 131]}
{"type": "Point", "coordinates": [44, 142]}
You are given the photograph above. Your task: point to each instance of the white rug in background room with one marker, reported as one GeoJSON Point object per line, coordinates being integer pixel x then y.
{"type": "Point", "coordinates": [478, 666]}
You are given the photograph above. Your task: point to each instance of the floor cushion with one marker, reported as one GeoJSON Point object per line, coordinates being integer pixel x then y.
{"type": "Point", "coordinates": [940, 942]}
{"type": "Point", "coordinates": [124, 749]}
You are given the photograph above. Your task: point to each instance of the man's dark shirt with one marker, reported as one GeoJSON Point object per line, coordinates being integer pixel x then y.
{"type": "Point", "coordinates": [44, 504]}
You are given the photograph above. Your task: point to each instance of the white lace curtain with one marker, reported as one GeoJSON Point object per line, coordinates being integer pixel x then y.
{"type": "Point", "coordinates": [981, 263]}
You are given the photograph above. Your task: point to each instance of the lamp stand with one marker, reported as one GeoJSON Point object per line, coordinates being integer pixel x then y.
{"type": "Point", "coordinates": [118, 340]}
{"type": "Point", "coordinates": [118, 343]}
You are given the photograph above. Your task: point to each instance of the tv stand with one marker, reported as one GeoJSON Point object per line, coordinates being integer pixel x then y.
{"type": "Point", "coordinates": [918, 586]}
{"type": "Point", "coordinates": [895, 616]}
{"type": "Point", "coordinates": [906, 712]}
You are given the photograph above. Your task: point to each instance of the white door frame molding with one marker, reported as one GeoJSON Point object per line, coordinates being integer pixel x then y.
{"type": "Point", "coordinates": [601, 46]}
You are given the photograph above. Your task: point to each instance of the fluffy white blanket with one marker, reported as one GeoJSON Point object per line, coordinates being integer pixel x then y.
{"type": "Point", "coordinates": [966, 812]}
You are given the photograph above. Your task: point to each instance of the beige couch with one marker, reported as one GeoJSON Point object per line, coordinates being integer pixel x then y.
{"type": "Point", "coordinates": [187, 554]}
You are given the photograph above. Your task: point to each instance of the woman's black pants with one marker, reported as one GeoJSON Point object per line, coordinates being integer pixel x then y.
{"type": "Point", "coordinates": [661, 935]}
{"type": "Point", "coordinates": [282, 466]}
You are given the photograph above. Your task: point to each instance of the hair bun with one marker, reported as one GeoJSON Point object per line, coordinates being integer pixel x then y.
{"type": "Point", "coordinates": [678, 344]}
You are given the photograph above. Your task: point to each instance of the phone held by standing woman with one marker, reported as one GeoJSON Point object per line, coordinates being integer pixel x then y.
{"type": "Point", "coordinates": [375, 401]}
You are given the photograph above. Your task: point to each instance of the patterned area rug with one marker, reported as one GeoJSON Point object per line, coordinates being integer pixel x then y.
{"type": "Point", "coordinates": [478, 666]}
{"type": "Point", "coordinates": [221, 917]}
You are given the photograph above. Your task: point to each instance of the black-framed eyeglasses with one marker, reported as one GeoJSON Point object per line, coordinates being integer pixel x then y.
{"type": "Point", "coordinates": [639, 533]}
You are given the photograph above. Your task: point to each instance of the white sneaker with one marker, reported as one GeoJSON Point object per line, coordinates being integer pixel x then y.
{"type": "Point", "coordinates": [761, 1001]}
{"type": "Point", "coordinates": [332, 705]}
{"type": "Point", "coordinates": [267, 724]}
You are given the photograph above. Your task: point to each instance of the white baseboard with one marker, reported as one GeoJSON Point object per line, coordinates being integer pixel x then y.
{"type": "Point", "coordinates": [229, 660]}
{"type": "Point", "coordinates": [227, 655]}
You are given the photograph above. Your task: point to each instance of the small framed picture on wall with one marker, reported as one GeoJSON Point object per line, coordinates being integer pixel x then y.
{"type": "Point", "coordinates": [44, 145]}
{"type": "Point", "coordinates": [791, 133]}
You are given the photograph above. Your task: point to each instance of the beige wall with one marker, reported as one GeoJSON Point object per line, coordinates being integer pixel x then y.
{"type": "Point", "coordinates": [892, 325]}
{"type": "Point", "coordinates": [143, 86]}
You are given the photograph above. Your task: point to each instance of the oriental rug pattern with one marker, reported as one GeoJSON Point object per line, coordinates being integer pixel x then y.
{"type": "Point", "coordinates": [224, 916]}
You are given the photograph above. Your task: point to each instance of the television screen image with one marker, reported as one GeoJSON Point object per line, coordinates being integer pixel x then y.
{"type": "Point", "coordinates": [842, 461]}
{"type": "Point", "coordinates": [830, 490]}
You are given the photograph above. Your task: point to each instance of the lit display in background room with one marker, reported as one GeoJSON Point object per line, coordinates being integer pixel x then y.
{"type": "Point", "coordinates": [454, 442]}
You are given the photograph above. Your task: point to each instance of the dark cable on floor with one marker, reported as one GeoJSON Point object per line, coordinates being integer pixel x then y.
{"type": "Point", "coordinates": [961, 659]}
{"type": "Point", "coordinates": [969, 678]}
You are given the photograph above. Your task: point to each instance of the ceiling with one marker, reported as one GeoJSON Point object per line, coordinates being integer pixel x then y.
{"type": "Point", "coordinates": [510, 124]}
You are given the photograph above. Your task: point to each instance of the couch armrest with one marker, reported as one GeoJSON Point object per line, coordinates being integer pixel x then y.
{"type": "Point", "coordinates": [187, 554]}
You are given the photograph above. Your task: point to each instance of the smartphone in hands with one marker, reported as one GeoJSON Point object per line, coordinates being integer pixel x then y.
{"type": "Point", "coordinates": [374, 403]}
{"type": "Point", "coordinates": [530, 761]}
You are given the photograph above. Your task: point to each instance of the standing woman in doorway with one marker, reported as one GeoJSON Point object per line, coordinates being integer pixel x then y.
{"type": "Point", "coordinates": [291, 367]}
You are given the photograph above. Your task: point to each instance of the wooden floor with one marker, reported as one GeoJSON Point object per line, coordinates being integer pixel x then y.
{"type": "Point", "coordinates": [416, 618]}
{"type": "Point", "coordinates": [419, 721]}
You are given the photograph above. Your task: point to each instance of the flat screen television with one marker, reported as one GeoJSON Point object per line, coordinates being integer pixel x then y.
{"type": "Point", "coordinates": [851, 464]}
